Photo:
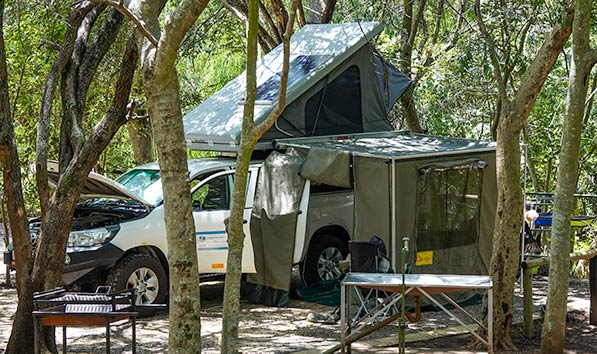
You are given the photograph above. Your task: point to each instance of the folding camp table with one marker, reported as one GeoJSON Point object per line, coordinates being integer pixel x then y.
{"type": "Point", "coordinates": [416, 285]}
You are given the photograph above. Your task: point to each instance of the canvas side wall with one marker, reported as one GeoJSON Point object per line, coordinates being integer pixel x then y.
{"type": "Point", "coordinates": [373, 213]}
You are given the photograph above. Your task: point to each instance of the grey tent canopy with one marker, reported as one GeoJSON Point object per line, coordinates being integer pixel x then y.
{"type": "Point", "coordinates": [337, 84]}
{"type": "Point", "coordinates": [440, 192]}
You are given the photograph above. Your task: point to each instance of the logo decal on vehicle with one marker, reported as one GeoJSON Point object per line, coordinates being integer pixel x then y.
{"type": "Point", "coordinates": [212, 240]}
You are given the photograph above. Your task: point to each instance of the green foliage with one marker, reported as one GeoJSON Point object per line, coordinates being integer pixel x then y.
{"type": "Point", "coordinates": [212, 54]}
{"type": "Point", "coordinates": [456, 96]}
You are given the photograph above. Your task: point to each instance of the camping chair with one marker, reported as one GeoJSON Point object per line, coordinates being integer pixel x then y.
{"type": "Point", "coordinates": [368, 257]}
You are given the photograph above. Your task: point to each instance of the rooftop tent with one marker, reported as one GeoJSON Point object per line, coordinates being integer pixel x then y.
{"type": "Point", "coordinates": [337, 84]}
{"type": "Point", "coordinates": [440, 192]}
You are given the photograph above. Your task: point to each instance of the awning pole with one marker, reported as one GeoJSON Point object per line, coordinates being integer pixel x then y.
{"type": "Point", "coordinates": [393, 208]}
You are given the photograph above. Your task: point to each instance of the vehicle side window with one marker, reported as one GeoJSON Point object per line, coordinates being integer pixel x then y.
{"type": "Point", "coordinates": [213, 195]}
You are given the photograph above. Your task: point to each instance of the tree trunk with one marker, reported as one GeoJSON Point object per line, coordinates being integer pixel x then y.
{"type": "Point", "coordinates": [409, 110]}
{"type": "Point", "coordinates": [407, 37]}
{"type": "Point", "coordinates": [315, 9]}
{"type": "Point", "coordinates": [21, 339]}
{"type": "Point", "coordinates": [163, 100]}
{"type": "Point", "coordinates": [234, 224]}
{"type": "Point", "coordinates": [249, 136]}
{"type": "Point", "coordinates": [50, 252]}
{"type": "Point", "coordinates": [513, 115]}
{"type": "Point", "coordinates": [530, 163]}
{"type": "Point", "coordinates": [504, 262]}
{"type": "Point", "coordinates": [236, 236]}
{"type": "Point", "coordinates": [142, 140]}
{"type": "Point", "coordinates": [583, 59]}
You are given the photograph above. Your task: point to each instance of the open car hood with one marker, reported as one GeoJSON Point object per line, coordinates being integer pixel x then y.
{"type": "Point", "coordinates": [97, 186]}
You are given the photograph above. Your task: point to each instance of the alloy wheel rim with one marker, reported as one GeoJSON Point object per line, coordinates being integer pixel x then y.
{"type": "Point", "coordinates": [146, 285]}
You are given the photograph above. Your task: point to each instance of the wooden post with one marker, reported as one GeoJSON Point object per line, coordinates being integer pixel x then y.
{"type": "Point", "coordinates": [527, 283]}
{"type": "Point", "coordinates": [527, 288]}
{"type": "Point", "coordinates": [4, 221]}
{"type": "Point", "coordinates": [593, 293]}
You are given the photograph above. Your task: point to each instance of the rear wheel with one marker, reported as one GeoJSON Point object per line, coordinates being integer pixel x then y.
{"type": "Point", "coordinates": [322, 259]}
{"type": "Point", "coordinates": [142, 272]}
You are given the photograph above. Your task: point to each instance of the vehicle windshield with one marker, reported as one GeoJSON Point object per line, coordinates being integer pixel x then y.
{"type": "Point", "coordinates": [145, 183]}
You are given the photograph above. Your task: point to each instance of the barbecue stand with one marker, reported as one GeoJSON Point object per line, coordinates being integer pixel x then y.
{"type": "Point", "coordinates": [58, 307]}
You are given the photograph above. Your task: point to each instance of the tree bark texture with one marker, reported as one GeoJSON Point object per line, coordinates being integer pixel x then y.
{"type": "Point", "coordinates": [504, 262]}
{"type": "Point", "coordinates": [75, 68]}
{"type": "Point", "coordinates": [56, 223]}
{"type": "Point", "coordinates": [407, 36]}
{"type": "Point", "coordinates": [513, 115]}
{"type": "Point", "coordinates": [49, 91]}
{"type": "Point", "coordinates": [234, 225]}
{"type": "Point", "coordinates": [166, 117]}
{"type": "Point", "coordinates": [142, 140]}
{"type": "Point", "coordinates": [270, 32]}
{"type": "Point", "coordinates": [163, 100]}
{"type": "Point", "coordinates": [249, 136]}
{"type": "Point", "coordinates": [583, 60]}
{"type": "Point", "coordinates": [411, 22]}
{"type": "Point", "coordinates": [22, 337]}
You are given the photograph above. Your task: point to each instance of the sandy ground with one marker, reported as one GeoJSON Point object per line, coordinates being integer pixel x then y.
{"type": "Point", "coordinates": [270, 330]}
{"type": "Point", "coordinates": [287, 330]}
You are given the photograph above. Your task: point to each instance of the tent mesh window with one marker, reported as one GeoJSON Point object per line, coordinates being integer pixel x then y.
{"type": "Point", "coordinates": [336, 108]}
{"type": "Point", "coordinates": [448, 206]}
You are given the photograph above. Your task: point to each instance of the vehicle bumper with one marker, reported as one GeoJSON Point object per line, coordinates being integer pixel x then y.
{"type": "Point", "coordinates": [84, 263]}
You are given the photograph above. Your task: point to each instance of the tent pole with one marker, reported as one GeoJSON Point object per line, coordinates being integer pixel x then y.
{"type": "Point", "coordinates": [393, 208]}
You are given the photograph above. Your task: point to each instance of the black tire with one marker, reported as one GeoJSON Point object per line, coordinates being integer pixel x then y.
{"type": "Point", "coordinates": [144, 272]}
{"type": "Point", "coordinates": [322, 259]}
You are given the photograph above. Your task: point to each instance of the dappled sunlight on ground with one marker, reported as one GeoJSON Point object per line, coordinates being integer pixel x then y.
{"type": "Point", "coordinates": [285, 330]}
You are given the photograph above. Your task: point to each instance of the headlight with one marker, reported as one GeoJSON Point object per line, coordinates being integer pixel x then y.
{"type": "Point", "coordinates": [93, 237]}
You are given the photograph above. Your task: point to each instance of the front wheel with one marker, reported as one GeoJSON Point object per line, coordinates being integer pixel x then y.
{"type": "Point", "coordinates": [142, 272]}
{"type": "Point", "coordinates": [322, 259]}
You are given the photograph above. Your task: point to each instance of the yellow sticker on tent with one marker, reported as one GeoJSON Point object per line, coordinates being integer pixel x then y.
{"type": "Point", "coordinates": [424, 258]}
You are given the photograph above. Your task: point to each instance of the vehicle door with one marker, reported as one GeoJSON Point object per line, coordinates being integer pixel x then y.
{"type": "Point", "coordinates": [211, 200]}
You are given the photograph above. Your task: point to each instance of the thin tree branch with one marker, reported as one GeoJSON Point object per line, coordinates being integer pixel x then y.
{"type": "Point", "coordinates": [270, 22]}
{"type": "Point", "coordinates": [415, 23]}
{"type": "Point", "coordinates": [301, 18]}
{"type": "Point", "coordinates": [281, 14]}
{"type": "Point", "coordinates": [77, 15]}
{"type": "Point", "coordinates": [175, 29]}
{"type": "Point", "coordinates": [438, 21]}
{"type": "Point", "coordinates": [590, 99]}
{"type": "Point", "coordinates": [592, 57]}
{"type": "Point", "coordinates": [328, 11]}
{"type": "Point", "coordinates": [136, 22]}
{"type": "Point", "coordinates": [495, 62]}
{"type": "Point", "coordinates": [50, 44]}
{"type": "Point", "coordinates": [240, 10]}
{"type": "Point", "coordinates": [262, 127]}
{"type": "Point", "coordinates": [431, 58]}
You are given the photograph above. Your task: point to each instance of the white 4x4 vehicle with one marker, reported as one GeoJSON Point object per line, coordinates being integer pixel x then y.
{"type": "Point", "coordinates": [118, 232]}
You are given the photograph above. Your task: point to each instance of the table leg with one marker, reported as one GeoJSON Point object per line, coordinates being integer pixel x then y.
{"type": "Point", "coordinates": [134, 335]}
{"type": "Point", "coordinates": [35, 339]}
{"type": "Point", "coordinates": [64, 339]}
{"type": "Point", "coordinates": [107, 336]}
{"type": "Point", "coordinates": [490, 320]}
{"type": "Point", "coordinates": [348, 317]}
{"type": "Point", "coordinates": [342, 318]}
